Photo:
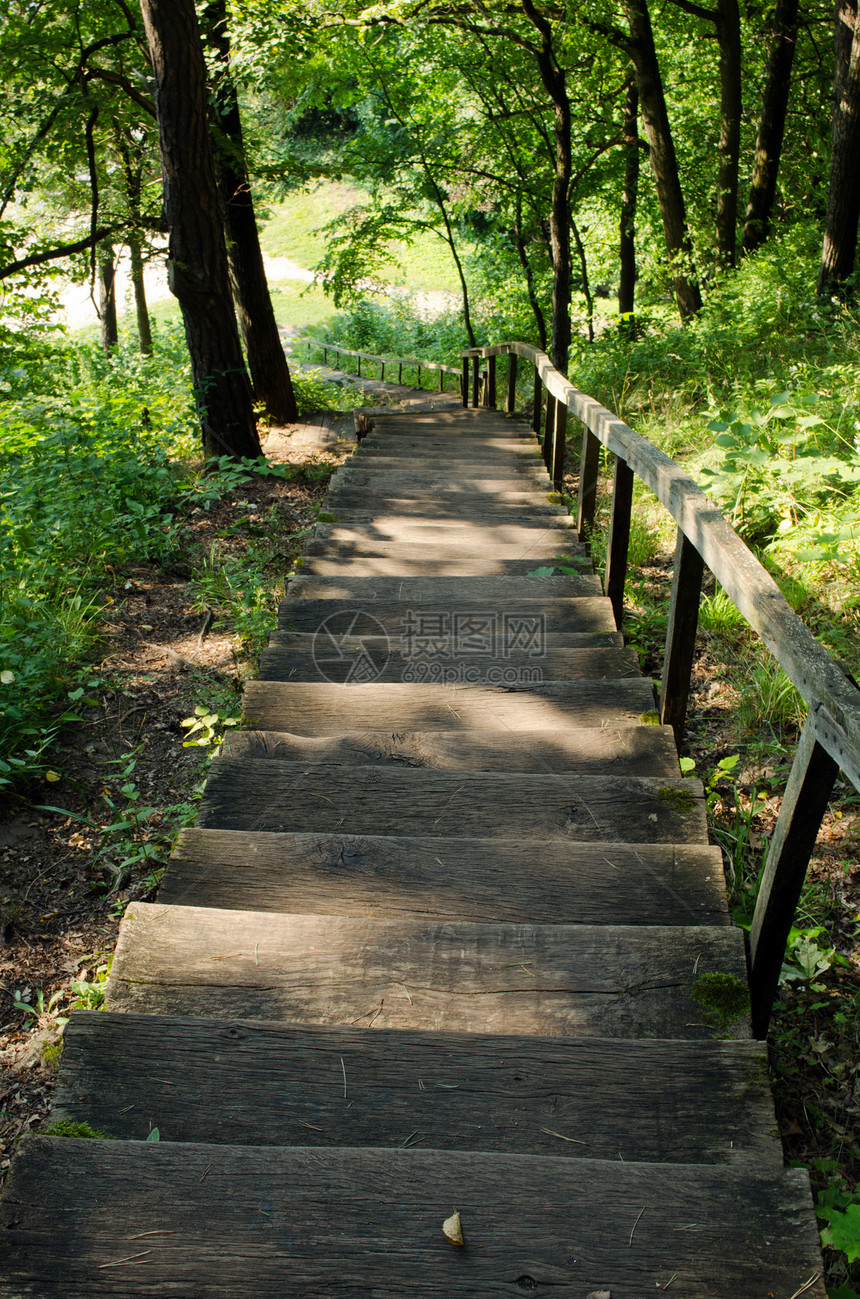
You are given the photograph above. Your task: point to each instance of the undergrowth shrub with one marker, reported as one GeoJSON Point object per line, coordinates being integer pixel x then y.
{"type": "Point", "coordinates": [87, 483]}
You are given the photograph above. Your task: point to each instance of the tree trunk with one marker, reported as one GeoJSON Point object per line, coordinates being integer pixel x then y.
{"type": "Point", "coordinates": [107, 297]}
{"type": "Point", "coordinates": [771, 127]}
{"type": "Point", "coordinates": [144, 330]}
{"type": "Point", "coordinates": [664, 162]}
{"type": "Point", "coordinates": [629, 197]}
{"type": "Point", "coordinates": [729, 37]}
{"type": "Point", "coordinates": [553, 79]}
{"type": "Point", "coordinates": [520, 245]}
{"type": "Point", "coordinates": [586, 287]}
{"type": "Point", "coordinates": [197, 256]}
{"type": "Point", "coordinates": [843, 199]}
{"type": "Point", "coordinates": [270, 374]}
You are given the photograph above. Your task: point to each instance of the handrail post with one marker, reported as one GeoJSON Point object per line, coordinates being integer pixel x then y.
{"type": "Point", "coordinates": [619, 537]}
{"type": "Point", "coordinates": [464, 381]}
{"type": "Point", "coordinates": [441, 379]}
{"type": "Point", "coordinates": [803, 806]}
{"type": "Point", "coordinates": [559, 440]}
{"type": "Point", "coordinates": [589, 463]}
{"type": "Point", "coordinates": [475, 380]}
{"type": "Point", "coordinates": [548, 430]}
{"type": "Point", "coordinates": [681, 636]}
{"type": "Point", "coordinates": [537, 403]}
{"type": "Point", "coordinates": [491, 382]}
{"type": "Point", "coordinates": [511, 390]}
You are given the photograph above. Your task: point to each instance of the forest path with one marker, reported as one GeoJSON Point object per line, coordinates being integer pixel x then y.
{"type": "Point", "coordinates": [448, 933]}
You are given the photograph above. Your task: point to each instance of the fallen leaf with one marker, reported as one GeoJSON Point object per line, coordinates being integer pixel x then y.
{"type": "Point", "coordinates": [452, 1229]}
{"type": "Point", "coordinates": [52, 777]}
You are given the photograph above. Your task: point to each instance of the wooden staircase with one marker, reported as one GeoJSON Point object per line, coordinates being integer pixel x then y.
{"type": "Point", "coordinates": [436, 941]}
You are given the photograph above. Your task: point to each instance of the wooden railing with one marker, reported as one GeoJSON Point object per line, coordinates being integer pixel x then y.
{"type": "Point", "coordinates": [830, 739]}
{"type": "Point", "coordinates": [401, 362]}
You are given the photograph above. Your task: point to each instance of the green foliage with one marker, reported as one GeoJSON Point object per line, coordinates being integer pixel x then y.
{"type": "Point", "coordinates": [87, 484]}
{"type": "Point", "coordinates": [723, 998]}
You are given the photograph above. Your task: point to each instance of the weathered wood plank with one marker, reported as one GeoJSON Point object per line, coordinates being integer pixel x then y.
{"type": "Point", "coordinates": [345, 659]}
{"type": "Point", "coordinates": [507, 506]}
{"type": "Point", "coordinates": [323, 708]}
{"type": "Point", "coordinates": [522, 536]}
{"type": "Point", "coordinates": [503, 591]}
{"type": "Point", "coordinates": [583, 613]}
{"type": "Point", "coordinates": [468, 879]}
{"type": "Point", "coordinates": [250, 794]}
{"type": "Point", "coordinates": [269, 1085]}
{"type": "Point", "coordinates": [553, 980]}
{"type": "Point", "coordinates": [330, 559]}
{"type": "Point", "coordinates": [258, 1223]}
{"type": "Point", "coordinates": [631, 751]}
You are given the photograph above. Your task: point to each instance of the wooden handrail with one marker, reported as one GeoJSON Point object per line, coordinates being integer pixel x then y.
{"type": "Point", "coordinates": [383, 361]}
{"type": "Point", "coordinates": [831, 736]}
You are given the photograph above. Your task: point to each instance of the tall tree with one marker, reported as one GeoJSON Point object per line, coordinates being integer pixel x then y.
{"type": "Point", "coordinates": [629, 197]}
{"type": "Point", "coordinates": [197, 255]}
{"type": "Point", "coordinates": [664, 161]}
{"type": "Point", "coordinates": [843, 201]}
{"type": "Point", "coordinates": [270, 375]}
{"type": "Point", "coordinates": [771, 126]}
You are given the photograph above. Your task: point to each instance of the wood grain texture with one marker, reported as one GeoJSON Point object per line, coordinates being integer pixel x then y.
{"type": "Point", "coordinates": [267, 1084]}
{"type": "Point", "coordinates": [553, 980]}
{"type": "Point", "coordinates": [338, 559]}
{"type": "Point", "coordinates": [480, 535]}
{"type": "Point", "coordinates": [339, 659]}
{"type": "Point", "coordinates": [253, 794]}
{"type": "Point", "coordinates": [257, 1223]}
{"type": "Point", "coordinates": [631, 751]}
{"type": "Point", "coordinates": [587, 613]}
{"type": "Point", "coordinates": [504, 592]}
{"type": "Point", "coordinates": [355, 503]}
{"type": "Point", "coordinates": [489, 880]}
{"type": "Point", "coordinates": [322, 708]}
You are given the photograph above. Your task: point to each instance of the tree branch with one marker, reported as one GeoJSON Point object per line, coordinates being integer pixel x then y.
{"type": "Point", "coordinates": [64, 250]}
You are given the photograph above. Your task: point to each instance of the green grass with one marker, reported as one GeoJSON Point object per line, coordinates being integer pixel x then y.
{"type": "Point", "coordinates": [294, 228]}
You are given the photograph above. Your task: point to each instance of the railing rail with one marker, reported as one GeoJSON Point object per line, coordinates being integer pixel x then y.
{"type": "Point", "coordinates": [831, 735]}
{"type": "Point", "coordinates": [409, 362]}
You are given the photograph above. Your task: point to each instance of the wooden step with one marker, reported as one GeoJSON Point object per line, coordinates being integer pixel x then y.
{"type": "Point", "coordinates": [521, 623]}
{"type": "Point", "coordinates": [503, 592]}
{"type": "Point", "coordinates": [349, 658]}
{"type": "Point", "coordinates": [280, 1085]}
{"type": "Point", "coordinates": [631, 751]}
{"type": "Point", "coordinates": [553, 980]}
{"type": "Point", "coordinates": [485, 880]}
{"type": "Point", "coordinates": [323, 708]}
{"type": "Point", "coordinates": [356, 503]}
{"type": "Point", "coordinates": [463, 477]}
{"type": "Point", "coordinates": [253, 794]}
{"type": "Point", "coordinates": [329, 559]}
{"type": "Point", "coordinates": [260, 1223]}
{"type": "Point", "coordinates": [513, 539]}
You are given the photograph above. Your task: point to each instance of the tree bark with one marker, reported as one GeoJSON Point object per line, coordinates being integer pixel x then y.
{"type": "Point", "coordinates": [270, 374]}
{"type": "Point", "coordinates": [144, 329]}
{"type": "Point", "coordinates": [197, 256]}
{"type": "Point", "coordinates": [771, 127]}
{"type": "Point", "coordinates": [107, 297]}
{"type": "Point", "coordinates": [664, 162]}
{"type": "Point", "coordinates": [728, 21]}
{"type": "Point", "coordinates": [843, 200]}
{"type": "Point", "coordinates": [629, 197]}
{"type": "Point", "coordinates": [520, 245]}
{"type": "Point", "coordinates": [553, 79]}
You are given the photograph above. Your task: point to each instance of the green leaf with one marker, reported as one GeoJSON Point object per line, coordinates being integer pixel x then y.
{"type": "Point", "coordinates": [154, 1135]}
{"type": "Point", "coordinates": [844, 1230]}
